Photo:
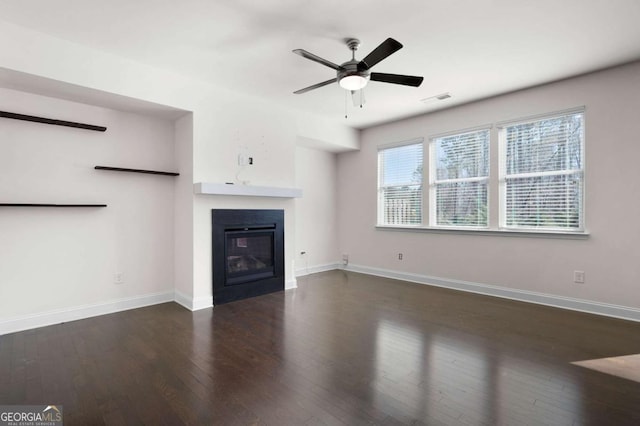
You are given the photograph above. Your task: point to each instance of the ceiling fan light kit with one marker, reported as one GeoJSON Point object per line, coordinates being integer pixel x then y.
{"type": "Point", "coordinates": [353, 82]}
{"type": "Point", "coordinates": [354, 75]}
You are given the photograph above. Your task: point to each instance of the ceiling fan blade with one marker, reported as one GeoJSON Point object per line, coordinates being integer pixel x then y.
{"type": "Point", "coordinates": [315, 86]}
{"type": "Point", "coordinates": [406, 80]}
{"type": "Point", "coordinates": [385, 49]}
{"type": "Point", "coordinates": [316, 58]}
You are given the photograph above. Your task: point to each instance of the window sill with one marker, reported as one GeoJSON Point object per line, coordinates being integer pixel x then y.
{"type": "Point", "coordinates": [491, 232]}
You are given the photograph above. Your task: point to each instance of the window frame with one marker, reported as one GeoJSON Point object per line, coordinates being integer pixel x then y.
{"type": "Point", "coordinates": [433, 180]}
{"type": "Point", "coordinates": [496, 187]}
{"type": "Point", "coordinates": [379, 192]}
{"type": "Point", "coordinates": [502, 175]}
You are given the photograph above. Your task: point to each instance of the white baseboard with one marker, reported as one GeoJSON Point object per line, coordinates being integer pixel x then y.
{"type": "Point", "coordinates": [598, 308]}
{"type": "Point", "coordinates": [183, 299]}
{"type": "Point", "coordinates": [318, 268]}
{"type": "Point", "coordinates": [207, 301]}
{"type": "Point", "coordinates": [27, 322]}
{"type": "Point", "coordinates": [191, 303]}
{"type": "Point", "coordinates": [291, 284]}
{"type": "Point", "coordinates": [58, 316]}
{"type": "Point", "coordinates": [202, 303]}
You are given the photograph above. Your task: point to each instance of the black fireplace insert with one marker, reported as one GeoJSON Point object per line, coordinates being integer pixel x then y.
{"type": "Point", "coordinates": [248, 253]}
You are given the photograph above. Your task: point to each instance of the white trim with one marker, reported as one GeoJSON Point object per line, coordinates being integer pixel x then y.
{"type": "Point", "coordinates": [542, 116]}
{"type": "Point", "coordinates": [291, 284]}
{"type": "Point", "coordinates": [502, 232]}
{"type": "Point", "coordinates": [191, 303]}
{"type": "Point", "coordinates": [58, 316]}
{"type": "Point", "coordinates": [542, 174]}
{"type": "Point", "coordinates": [598, 308]}
{"type": "Point", "coordinates": [435, 183]}
{"type": "Point", "coordinates": [27, 322]}
{"type": "Point", "coordinates": [183, 300]}
{"type": "Point", "coordinates": [208, 188]}
{"type": "Point", "coordinates": [460, 180]}
{"type": "Point", "coordinates": [318, 268]}
{"type": "Point", "coordinates": [473, 129]}
{"type": "Point", "coordinates": [397, 144]}
{"type": "Point", "coordinates": [203, 302]}
{"type": "Point", "coordinates": [504, 177]}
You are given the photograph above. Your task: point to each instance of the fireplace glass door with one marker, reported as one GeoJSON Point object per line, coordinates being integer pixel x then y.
{"type": "Point", "coordinates": [249, 255]}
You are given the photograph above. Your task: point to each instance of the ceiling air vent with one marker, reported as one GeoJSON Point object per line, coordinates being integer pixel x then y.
{"type": "Point", "coordinates": [440, 97]}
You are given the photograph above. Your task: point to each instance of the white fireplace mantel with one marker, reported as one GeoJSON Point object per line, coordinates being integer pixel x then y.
{"type": "Point", "coordinates": [208, 188]}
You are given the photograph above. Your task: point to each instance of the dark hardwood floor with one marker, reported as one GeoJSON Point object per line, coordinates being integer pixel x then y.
{"type": "Point", "coordinates": [342, 349]}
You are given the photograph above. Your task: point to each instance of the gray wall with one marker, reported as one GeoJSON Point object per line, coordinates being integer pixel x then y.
{"type": "Point", "coordinates": [540, 265]}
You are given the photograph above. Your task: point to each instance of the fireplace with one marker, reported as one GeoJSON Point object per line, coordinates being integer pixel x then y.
{"type": "Point", "coordinates": [248, 253]}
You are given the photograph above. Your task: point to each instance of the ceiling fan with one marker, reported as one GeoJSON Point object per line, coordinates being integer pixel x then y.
{"type": "Point", "coordinates": [354, 75]}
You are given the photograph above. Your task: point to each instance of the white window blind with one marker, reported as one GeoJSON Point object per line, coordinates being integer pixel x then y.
{"type": "Point", "coordinates": [542, 173]}
{"type": "Point", "coordinates": [400, 185]}
{"type": "Point", "coordinates": [459, 179]}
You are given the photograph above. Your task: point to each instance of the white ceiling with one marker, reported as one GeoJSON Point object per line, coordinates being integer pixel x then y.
{"type": "Point", "coordinates": [470, 48]}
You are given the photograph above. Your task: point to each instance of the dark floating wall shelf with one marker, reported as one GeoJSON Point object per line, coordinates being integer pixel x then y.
{"type": "Point", "coordinates": [50, 205]}
{"type": "Point", "coordinates": [51, 121]}
{"type": "Point", "coordinates": [151, 172]}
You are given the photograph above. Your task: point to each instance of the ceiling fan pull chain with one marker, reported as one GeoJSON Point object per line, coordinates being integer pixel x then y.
{"type": "Point", "coordinates": [345, 104]}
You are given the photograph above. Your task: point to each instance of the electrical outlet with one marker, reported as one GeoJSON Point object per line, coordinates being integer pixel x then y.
{"type": "Point", "coordinates": [578, 277]}
{"type": "Point", "coordinates": [399, 256]}
{"type": "Point", "coordinates": [345, 259]}
{"type": "Point", "coordinates": [118, 278]}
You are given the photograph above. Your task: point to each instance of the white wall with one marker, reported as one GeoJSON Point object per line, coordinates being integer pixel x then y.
{"type": "Point", "coordinates": [56, 259]}
{"type": "Point", "coordinates": [268, 134]}
{"type": "Point", "coordinates": [183, 208]}
{"type": "Point", "coordinates": [223, 123]}
{"type": "Point", "coordinates": [325, 135]}
{"type": "Point", "coordinates": [317, 211]}
{"type": "Point", "coordinates": [541, 265]}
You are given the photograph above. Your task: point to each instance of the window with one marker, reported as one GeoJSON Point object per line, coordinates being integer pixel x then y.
{"type": "Point", "coordinates": [525, 175]}
{"type": "Point", "coordinates": [542, 173]}
{"type": "Point", "coordinates": [459, 179]}
{"type": "Point", "coordinates": [400, 184]}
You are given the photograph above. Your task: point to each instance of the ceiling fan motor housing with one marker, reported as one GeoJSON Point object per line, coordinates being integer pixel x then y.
{"type": "Point", "coordinates": [350, 68]}
{"type": "Point", "coordinates": [353, 69]}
